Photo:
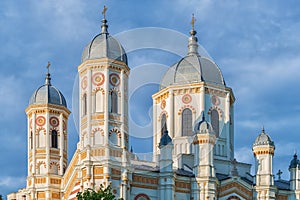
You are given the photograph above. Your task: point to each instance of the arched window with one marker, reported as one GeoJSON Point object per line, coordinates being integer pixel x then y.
{"type": "Point", "coordinates": [84, 105]}
{"type": "Point", "coordinates": [187, 129]}
{"type": "Point", "coordinates": [42, 138]}
{"type": "Point", "coordinates": [141, 197]}
{"type": "Point", "coordinates": [215, 121]}
{"type": "Point", "coordinates": [54, 139]}
{"type": "Point", "coordinates": [114, 102]}
{"type": "Point", "coordinates": [99, 101]}
{"type": "Point", "coordinates": [163, 124]}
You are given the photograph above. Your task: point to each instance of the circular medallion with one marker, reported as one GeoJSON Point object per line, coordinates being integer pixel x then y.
{"type": "Point", "coordinates": [114, 79]}
{"type": "Point", "coordinates": [54, 121]}
{"type": "Point", "coordinates": [186, 98]}
{"type": "Point", "coordinates": [163, 104]}
{"type": "Point", "coordinates": [84, 83]}
{"type": "Point", "coordinates": [215, 100]}
{"type": "Point", "coordinates": [98, 79]}
{"type": "Point", "coordinates": [40, 121]}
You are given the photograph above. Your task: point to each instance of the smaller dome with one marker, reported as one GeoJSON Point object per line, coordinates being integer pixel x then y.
{"type": "Point", "coordinates": [165, 139]}
{"type": "Point", "coordinates": [263, 139]}
{"type": "Point", "coordinates": [294, 162]}
{"type": "Point", "coordinates": [203, 127]}
{"type": "Point", "coordinates": [104, 46]}
{"type": "Point", "coordinates": [47, 94]}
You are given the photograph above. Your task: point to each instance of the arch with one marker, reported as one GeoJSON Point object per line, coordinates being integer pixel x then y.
{"type": "Point", "coordinates": [54, 139]}
{"type": "Point", "coordinates": [141, 196]}
{"type": "Point", "coordinates": [114, 136]}
{"type": "Point", "coordinates": [54, 167]}
{"type": "Point", "coordinates": [114, 102]}
{"type": "Point", "coordinates": [215, 121]}
{"type": "Point", "coordinates": [98, 135]}
{"type": "Point", "coordinates": [40, 167]}
{"type": "Point", "coordinates": [84, 104]}
{"type": "Point", "coordinates": [163, 124]}
{"type": "Point", "coordinates": [41, 138]}
{"type": "Point", "coordinates": [99, 100]}
{"type": "Point", "coordinates": [186, 122]}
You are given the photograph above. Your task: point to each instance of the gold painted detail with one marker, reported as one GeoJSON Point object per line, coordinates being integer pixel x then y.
{"type": "Point", "coordinates": [204, 141]}
{"type": "Point", "coordinates": [161, 97]}
{"type": "Point", "coordinates": [98, 116]}
{"type": "Point", "coordinates": [41, 195]}
{"type": "Point", "coordinates": [55, 195]}
{"type": "Point", "coordinates": [144, 179]}
{"type": "Point", "coordinates": [84, 120]}
{"type": "Point", "coordinates": [54, 151]}
{"type": "Point", "coordinates": [40, 180]}
{"type": "Point", "coordinates": [263, 150]}
{"type": "Point", "coordinates": [186, 106]}
{"type": "Point", "coordinates": [55, 181]}
{"type": "Point", "coordinates": [115, 153]}
{"type": "Point", "coordinates": [40, 151]}
{"type": "Point", "coordinates": [98, 170]}
{"type": "Point", "coordinates": [237, 188]}
{"type": "Point", "coordinates": [186, 90]}
{"type": "Point", "coordinates": [215, 92]}
{"type": "Point", "coordinates": [83, 155]}
{"type": "Point", "coordinates": [70, 169]}
{"type": "Point", "coordinates": [98, 152]}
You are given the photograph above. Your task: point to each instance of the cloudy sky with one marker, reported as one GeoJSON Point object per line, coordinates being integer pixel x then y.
{"type": "Point", "coordinates": [255, 43]}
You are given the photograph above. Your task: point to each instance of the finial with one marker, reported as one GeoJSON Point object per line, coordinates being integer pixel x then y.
{"type": "Point", "coordinates": [131, 149]}
{"type": "Point", "coordinates": [193, 22]}
{"type": "Point", "coordinates": [193, 46]}
{"type": "Point", "coordinates": [263, 129]}
{"type": "Point", "coordinates": [48, 78]}
{"type": "Point", "coordinates": [104, 21]}
{"type": "Point", "coordinates": [104, 12]}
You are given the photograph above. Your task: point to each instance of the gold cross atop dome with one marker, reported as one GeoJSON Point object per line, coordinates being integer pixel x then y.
{"type": "Point", "coordinates": [104, 11]}
{"type": "Point", "coordinates": [193, 22]}
{"type": "Point", "coordinates": [48, 66]}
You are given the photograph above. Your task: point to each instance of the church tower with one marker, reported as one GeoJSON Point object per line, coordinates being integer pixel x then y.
{"type": "Point", "coordinates": [191, 87]}
{"type": "Point", "coordinates": [47, 116]}
{"type": "Point", "coordinates": [103, 117]}
{"type": "Point", "coordinates": [263, 149]}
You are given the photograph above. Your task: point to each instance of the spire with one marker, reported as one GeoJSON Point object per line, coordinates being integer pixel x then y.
{"type": "Point", "coordinates": [263, 130]}
{"type": "Point", "coordinates": [104, 26]}
{"type": "Point", "coordinates": [193, 45]}
{"type": "Point", "coordinates": [48, 78]}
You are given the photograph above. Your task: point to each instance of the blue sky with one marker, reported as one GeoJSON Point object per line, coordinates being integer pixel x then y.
{"type": "Point", "coordinates": [255, 43]}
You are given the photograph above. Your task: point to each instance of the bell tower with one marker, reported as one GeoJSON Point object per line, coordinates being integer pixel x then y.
{"type": "Point", "coordinates": [103, 113]}
{"type": "Point", "coordinates": [47, 116]}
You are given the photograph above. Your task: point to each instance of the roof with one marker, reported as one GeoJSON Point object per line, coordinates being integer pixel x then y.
{"type": "Point", "coordinates": [47, 94]}
{"type": "Point", "coordinates": [263, 139]}
{"type": "Point", "coordinates": [193, 68]}
{"type": "Point", "coordinates": [104, 46]}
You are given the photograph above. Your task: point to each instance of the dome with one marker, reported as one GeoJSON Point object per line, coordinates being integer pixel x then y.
{"type": "Point", "coordinates": [165, 139]}
{"type": "Point", "coordinates": [263, 139]}
{"type": "Point", "coordinates": [47, 94]}
{"type": "Point", "coordinates": [193, 68]}
{"type": "Point", "coordinates": [104, 46]}
{"type": "Point", "coordinates": [294, 162]}
{"type": "Point", "coordinates": [203, 127]}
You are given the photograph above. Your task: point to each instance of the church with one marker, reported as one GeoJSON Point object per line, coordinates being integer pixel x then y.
{"type": "Point", "coordinates": [193, 136]}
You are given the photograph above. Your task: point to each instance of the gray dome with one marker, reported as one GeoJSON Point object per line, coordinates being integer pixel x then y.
{"type": "Point", "coordinates": [104, 46]}
{"type": "Point", "coordinates": [263, 139]}
{"type": "Point", "coordinates": [294, 162]}
{"type": "Point", "coordinates": [165, 139]}
{"type": "Point", "coordinates": [193, 68]}
{"type": "Point", "coordinates": [203, 127]}
{"type": "Point", "coordinates": [47, 94]}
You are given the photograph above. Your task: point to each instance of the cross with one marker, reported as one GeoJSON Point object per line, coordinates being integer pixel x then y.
{"type": "Point", "coordinates": [193, 21]}
{"type": "Point", "coordinates": [48, 66]}
{"type": "Point", "coordinates": [104, 11]}
{"type": "Point", "coordinates": [279, 174]}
